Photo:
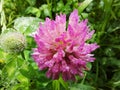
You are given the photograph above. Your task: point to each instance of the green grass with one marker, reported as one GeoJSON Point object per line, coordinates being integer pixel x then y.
{"type": "Point", "coordinates": [21, 72]}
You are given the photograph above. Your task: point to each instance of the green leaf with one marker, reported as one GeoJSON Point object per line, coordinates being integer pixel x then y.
{"type": "Point", "coordinates": [20, 62]}
{"type": "Point", "coordinates": [60, 5]}
{"type": "Point", "coordinates": [89, 66]}
{"type": "Point", "coordinates": [19, 87]}
{"type": "Point", "coordinates": [22, 79]}
{"type": "Point", "coordinates": [24, 70]}
{"type": "Point", "coordinates": [115, 46]}
{"type": "Point", "coordinates": [112, 61]}
{"type": "Point", "coordinates": [10, 68]}
{"type": "Point", "coordinates": [83, 5]}
{"type": "Point", "coordinates": [34, 11]}
{"type": "Point", "coordinates": [84, 15]}
{"type": "Point", "coordinates": [26, 54]}
{"type": "Point", "coordinates": [1, 54]}
{"type": "Point", "coordinates": [30, 42]}
{"type": "Point", "coordinates": [27, 25]}
{"type": "Point", "coordinates": [27, 70]}
{"type": "Point", "coordinates": [63, 83]}
{"type": "Point", "coordinates": [115, 81]}
{"type": "Point", "coordinates": [82, 87]}
{"type": "Point", "coordinates": [8, 30]}
{"type": "Point", "coordinates": [31, 2]}
{"type": "Point", "coordinates": [46, 10]}
{"type": "Point", "coordinates": [56, 85]}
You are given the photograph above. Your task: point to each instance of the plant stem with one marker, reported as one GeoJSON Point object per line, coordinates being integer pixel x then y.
{"type": "Point", "coordinates": [83, 80]}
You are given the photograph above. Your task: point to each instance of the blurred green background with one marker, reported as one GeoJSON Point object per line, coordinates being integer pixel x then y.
{"type": "Point", "coordinates": [19, 72]}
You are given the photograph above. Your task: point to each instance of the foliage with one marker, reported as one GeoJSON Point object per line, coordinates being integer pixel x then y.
{"type": "Point", "coordinates": [19, 71]}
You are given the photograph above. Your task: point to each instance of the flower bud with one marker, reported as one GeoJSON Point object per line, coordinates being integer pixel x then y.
{"type": "Point", "coordinates": [13, 42]}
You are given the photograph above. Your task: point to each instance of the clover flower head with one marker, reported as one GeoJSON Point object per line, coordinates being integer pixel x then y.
{"type": "Point", "coordinates": [13, 42]}
{"type": "Point", "coordinates": [63, 50]}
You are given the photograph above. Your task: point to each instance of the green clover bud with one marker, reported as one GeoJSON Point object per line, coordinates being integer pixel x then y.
{"type": "Point", "coordinates": [13, 42]}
